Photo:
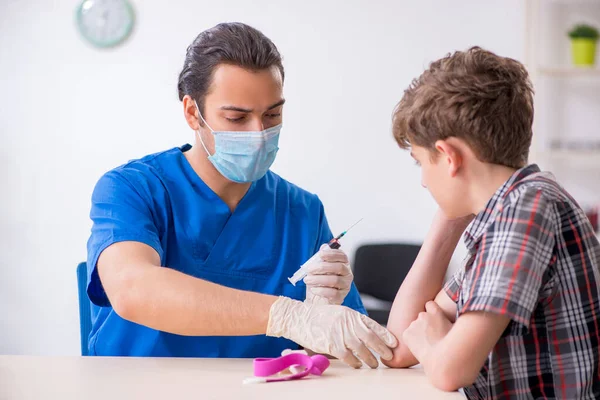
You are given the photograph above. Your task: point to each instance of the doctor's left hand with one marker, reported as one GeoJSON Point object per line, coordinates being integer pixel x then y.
{"type": "Point", "coordinates": [329, 280]}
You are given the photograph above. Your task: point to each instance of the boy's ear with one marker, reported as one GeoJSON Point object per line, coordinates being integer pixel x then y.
{"type": "Point", "coordinates": [451, 155]}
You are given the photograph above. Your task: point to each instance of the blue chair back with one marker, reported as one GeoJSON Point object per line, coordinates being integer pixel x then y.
{"type": "Point", "coordinates": [85, 311]}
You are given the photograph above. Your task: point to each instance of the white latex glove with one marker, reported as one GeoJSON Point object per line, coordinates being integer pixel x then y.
{"type": "Point", "coordinates": [329, 329]}
{"type": "Point", "coordinates": [328, 280]}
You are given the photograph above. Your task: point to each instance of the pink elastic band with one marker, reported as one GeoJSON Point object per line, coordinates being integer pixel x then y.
{"type": "Point", "coordinates": [265, 367]}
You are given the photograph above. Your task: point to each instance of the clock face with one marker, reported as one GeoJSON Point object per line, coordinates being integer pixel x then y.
{"type": "Point", "coordinates": [105, 23]}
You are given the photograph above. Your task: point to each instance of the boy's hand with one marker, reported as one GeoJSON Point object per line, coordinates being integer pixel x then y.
{"type": "Point", "coordinates": [426, 331]}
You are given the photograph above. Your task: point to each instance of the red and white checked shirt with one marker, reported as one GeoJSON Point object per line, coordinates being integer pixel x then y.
{"type": "Point", "coordinates": [533, 256]}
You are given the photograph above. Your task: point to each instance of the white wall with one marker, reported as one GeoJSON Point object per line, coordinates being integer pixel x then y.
{"type": "Point", "coordinates": [69, 112]}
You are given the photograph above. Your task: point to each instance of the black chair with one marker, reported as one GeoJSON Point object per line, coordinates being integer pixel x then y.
{"type": "Point", "coordinates": [379, 270]}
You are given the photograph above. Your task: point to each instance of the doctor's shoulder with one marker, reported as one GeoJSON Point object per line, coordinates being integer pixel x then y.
{"type": "Point", "coordinates": [299, 200]}
{"type": "Point", "coordinates": [143, 176]}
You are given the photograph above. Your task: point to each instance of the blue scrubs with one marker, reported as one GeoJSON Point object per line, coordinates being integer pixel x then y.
{"type": "Point", "coordinates": [159, 200]}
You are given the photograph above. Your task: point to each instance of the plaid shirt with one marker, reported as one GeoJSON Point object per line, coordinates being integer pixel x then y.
{"type": "Point", "coordinates": [534, 257]}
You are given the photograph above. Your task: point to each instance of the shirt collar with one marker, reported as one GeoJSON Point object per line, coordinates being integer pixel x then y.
{"type": "Point", "coordinates": [485, 218]}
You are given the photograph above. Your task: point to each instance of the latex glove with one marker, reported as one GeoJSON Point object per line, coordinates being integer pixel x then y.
{"type": "Point", "coordinates": [328, 280]}
{"type": "Point", "coordinates": [329, 329]}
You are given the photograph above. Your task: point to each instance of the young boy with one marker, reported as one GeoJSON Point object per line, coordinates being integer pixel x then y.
{"type": "Point", "coordinates": [526, 320]}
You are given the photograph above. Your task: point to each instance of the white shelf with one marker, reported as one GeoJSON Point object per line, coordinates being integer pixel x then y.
{"type": "Point", "coordinates": [575, 2]}
{"type": "Point", "coordinates": [587, 158]}
{"type": "Point", "coordinates": [569, 71]}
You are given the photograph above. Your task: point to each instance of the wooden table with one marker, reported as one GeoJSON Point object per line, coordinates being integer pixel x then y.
{"type": "Point", "coordinates": [28, 377]}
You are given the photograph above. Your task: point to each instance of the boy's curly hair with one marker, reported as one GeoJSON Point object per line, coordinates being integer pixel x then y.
{"type": "Point", "coordinates": [475, 95]}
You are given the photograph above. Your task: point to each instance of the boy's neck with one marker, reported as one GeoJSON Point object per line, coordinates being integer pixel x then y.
{"type": "Point", "coordinates": [486, 180]}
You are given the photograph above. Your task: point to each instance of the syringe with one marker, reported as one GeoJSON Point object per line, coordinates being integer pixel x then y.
{"type": "Point", "coordinates": [333, 244]}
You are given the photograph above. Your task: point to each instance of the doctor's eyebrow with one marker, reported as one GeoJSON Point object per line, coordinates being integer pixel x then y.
{"type": "Point", "coordinates": [234, 108]}
{"type": "Point", "coordinates": [279, 103]}
{"type": "Point", "coordinates": [249, 110]}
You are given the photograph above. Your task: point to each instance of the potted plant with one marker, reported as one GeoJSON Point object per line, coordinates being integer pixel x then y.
{"type": "Point", "coordinates": [583, 44]}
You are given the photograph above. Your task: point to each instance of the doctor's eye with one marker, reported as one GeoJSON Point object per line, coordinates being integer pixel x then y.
{"type": "Point", "coordinates": [235, 120]}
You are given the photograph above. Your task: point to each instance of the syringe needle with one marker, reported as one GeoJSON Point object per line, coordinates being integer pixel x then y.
{"type": "Point", "coordinates": [346, 231]}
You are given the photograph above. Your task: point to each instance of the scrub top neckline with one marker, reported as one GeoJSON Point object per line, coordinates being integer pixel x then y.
{"type": "Point", "coordinates": [197, 181]}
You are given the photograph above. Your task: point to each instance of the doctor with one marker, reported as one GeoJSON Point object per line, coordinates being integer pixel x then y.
{"type": "Point", "coordinates": [191, 248]}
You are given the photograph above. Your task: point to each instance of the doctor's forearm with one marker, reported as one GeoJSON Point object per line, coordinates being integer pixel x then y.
{"type": "Point", "coordinates": [170, 301]}
{"type": "Point", "coordinates": [424, 281]}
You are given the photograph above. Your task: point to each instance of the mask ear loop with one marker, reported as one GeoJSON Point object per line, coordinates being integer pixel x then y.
{"type": "Point", "coordinates": [198, 131]}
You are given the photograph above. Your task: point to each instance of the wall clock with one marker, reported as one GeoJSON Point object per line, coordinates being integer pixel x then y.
{"type": "Point", "coordinates": [105, 23]}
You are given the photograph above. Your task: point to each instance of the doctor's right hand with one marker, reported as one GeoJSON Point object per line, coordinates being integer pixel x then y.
{"type": "Point", "coordinates": [330, 329]}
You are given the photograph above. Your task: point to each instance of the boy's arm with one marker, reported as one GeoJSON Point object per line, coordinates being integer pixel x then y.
{"type": "Point", "coordinates": [504, 282]}
{"type": "Point", "coordinates": [447, 352]}
{"type": "Point", "coordinates": [424, 281]}
{"type": "Point", "coordinates": [447, 305]}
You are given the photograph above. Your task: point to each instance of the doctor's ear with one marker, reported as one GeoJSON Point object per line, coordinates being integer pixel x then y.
{"type": "Point", "coordinates": [450, 153]}
{"type": "Point", "coordinates": [190, 112]}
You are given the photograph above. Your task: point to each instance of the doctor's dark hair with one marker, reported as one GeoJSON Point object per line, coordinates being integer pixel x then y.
{"type": "Point", "coordinates": [474, 95]}
{"type": "Point", "coordinates": [232, 43]}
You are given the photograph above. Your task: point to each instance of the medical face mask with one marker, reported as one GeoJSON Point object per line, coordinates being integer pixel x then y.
{"type": "Point", "coordinates": [241, 156]}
